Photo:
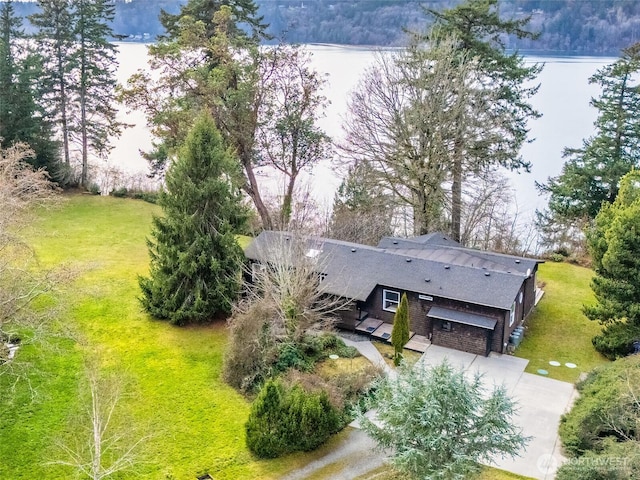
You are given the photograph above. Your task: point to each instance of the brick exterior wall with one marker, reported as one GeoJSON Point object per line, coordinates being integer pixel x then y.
{"type": "Point", "coordinates": [461, 337]}
{"type": "Point", "coordinates": [474, 338]}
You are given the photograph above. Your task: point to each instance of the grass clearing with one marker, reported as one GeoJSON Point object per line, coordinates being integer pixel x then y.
{"type": "Point", "coordinates": [487, 473]}
{"type": "Point", "coordinates": [171, 375]}
{"type": "Point", "coordinates": [557, 329]}
{"type": "Point", "coordinates": [387, 352]}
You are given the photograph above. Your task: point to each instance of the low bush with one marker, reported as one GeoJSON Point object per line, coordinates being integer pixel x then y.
{"type": "Point", "coordinates": [607, 409]}
{"type": "Point", "coordinates": [289, 419]}
{"type": "Point", "coordinates": [616, 340]}
{"type": "Point", "coordinates": [617, 461]}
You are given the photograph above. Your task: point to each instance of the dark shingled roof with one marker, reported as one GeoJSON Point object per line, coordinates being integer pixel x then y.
{"type": "Point", "coordinates": [353, 270]}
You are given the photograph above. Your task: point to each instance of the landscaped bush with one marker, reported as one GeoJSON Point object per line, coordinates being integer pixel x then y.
{"type": "Point", "coordinates": [607, 409]}
{"type": "Point", "coordinates": [618, 461]}
{"type": "Point", "coordinates": [616, 340]}
{"type": "Point", "coordinates": [285, 420]}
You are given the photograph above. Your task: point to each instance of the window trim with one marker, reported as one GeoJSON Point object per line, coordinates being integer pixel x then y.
{"type": "Point", "coordinates": [512, 314]}
{"type": "Point", "coordinates": [385, 300]}
{"type": "Point", "coordinates": [447, 326]}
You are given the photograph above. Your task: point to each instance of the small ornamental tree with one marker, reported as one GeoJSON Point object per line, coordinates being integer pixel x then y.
{"type": "Point", "coordinates": [195, 259]}
{"type": "Point", "coordinates": [400, 332]}
{"type": "Point", "coordinates": [454, 423]}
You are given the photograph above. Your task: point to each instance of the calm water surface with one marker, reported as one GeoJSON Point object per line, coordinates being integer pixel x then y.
{"type": "Point", "coordinates": [563, 99]}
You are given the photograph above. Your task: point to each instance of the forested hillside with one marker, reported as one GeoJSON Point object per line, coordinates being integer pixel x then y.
{"type": "Point", "coordinates": [566, 26]}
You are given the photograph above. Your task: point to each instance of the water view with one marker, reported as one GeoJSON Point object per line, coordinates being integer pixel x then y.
{"type": "Point", "coordinates": [563, 99]}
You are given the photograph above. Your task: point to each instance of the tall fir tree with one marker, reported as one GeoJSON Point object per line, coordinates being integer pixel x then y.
{"type": "Point", "coordinates": [591, 175]}
{"type": "Point", "coordinates": [205, 62]}
{"type": "Point", "coordinates": [400, 332]}
{"type": "Point", "coordinates": [195, 259]}
{"type": "Point", "coordinates": [479, 31]}
{"type": "Point", "coordinates": [614, 243]}
{"type": "Point", "coordinates": [55, 39]}
{"type": "Point", "coordinates": [21, 119]}
{"type": "Point", "coordinates": [95, 59]}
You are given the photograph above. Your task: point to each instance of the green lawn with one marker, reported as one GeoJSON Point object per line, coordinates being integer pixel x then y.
{"type": "Point", "coordinates": [557, 330]}
{"type": "Point", "coordinates": [172, 375]}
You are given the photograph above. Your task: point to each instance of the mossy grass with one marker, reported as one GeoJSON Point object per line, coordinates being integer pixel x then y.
{"type": "Point", "coordinates": [487, 473]}
{"type": "Point", "coordinates": [173, 388]}
{"type": "Point", "coordinates": [557, 330]}
{"type": "Point", "coordinates": [387, 352]}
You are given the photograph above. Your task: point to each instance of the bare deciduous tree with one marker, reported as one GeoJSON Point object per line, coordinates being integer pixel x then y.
{"type": "Point", "coordinates": [22, 190]}
{"type": "Point", "coordinates": [288, 138]}
{"type": "Point", "coordinates": [101, 448]}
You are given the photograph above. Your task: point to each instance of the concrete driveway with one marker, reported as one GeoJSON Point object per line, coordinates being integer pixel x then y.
{"type": "Point", "coordinates": [541, 403]}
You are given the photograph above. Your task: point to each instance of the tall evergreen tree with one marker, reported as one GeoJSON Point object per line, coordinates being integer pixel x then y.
{"type": "Point", "coordinates": [195, 258]}
{"type": "Point", "coordinates": [614, 243]}
{"type": "Point", "coordinates": [591, 175]}
{"type": "Point", "coordinates": [479, 30]}
{"type": "Point", "coordinates": [205, 62]}
{"type": "Point", "coordinates": [400, 332]}
{"type": "Point", "coordinates": [55, 39]}
{"type": "Point", "coordinates": [21, 119]}
{"type": "Point", "coordinates": [95, 58]}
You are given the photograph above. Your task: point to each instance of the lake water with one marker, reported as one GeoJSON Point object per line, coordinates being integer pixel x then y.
{"type": "Point", "coordinates": [563, 99]}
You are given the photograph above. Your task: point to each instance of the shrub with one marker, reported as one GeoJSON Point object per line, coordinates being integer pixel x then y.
{"type": "Point", "coordinates": [120, 192]}
{"type": "Point", "coordinates": [618, 461]}
{"type": "Point", "coordinates": [556, 257]}
{"type": "Point", "coordinates": [607, 408]}
{"type": "Point", "coordinates": [616, 339]}
{"type": "Point", "coordinates": [94, 189]}
{"type": "Point", "coordinates": [285, 420]}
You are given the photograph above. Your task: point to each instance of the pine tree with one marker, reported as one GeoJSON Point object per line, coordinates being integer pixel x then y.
{"type": "Point", "coordinates": [55, 22]}
{"type": "Point", "coordinates": [439, 424]}
{"type": "Point", "coordinates": [479, 32]}
{"type": "Point", "coordinates": [591, 175]}
{"type": "Point", "coordinates": [95, 58]}
{"type": "Point", "coordinates": [195, 258]}
{"type": "Point", "coordinates": [21, 119]}
{"type": "Point", "coordinates": [400, 331]}
{"type": "Point", "coordinates": [615, 247]}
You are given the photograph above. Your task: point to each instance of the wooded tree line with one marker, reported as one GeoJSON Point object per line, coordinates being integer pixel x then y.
{"type": "Point", "coordinates": [58, 85]}
{"type": "Point", "coordinates": [567, 26]}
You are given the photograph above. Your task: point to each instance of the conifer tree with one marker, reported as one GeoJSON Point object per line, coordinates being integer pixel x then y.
{"type": "Point", "coordinates": [615, 247]}
{"type": "Point", "coordinates": [591, 174]}
{"type": "Point", "coordinates": [55, 39]}
{"type": "Point", "coordinates": [400, 331]}
{"type": "Point", "coordinates": [195, 258]}
{"type": "Point", "coordinates": [95, 59]}
{"type": "Point", "coordinates": [479, 32]}
{"type": "Point", "coordinates": [21, 119]}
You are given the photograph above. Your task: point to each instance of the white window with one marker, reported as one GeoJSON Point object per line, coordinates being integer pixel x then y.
{"type": "Point", "coordinates": [512, 317]}
{"type": "Point", "coordinates": [446, 326]}
{"type": "Point", "coordinates": [390, 300]}
{"type": "Point", "coordinates": [520, 298]}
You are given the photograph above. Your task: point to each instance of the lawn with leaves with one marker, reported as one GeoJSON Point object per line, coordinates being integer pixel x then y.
{"type": "Point", "coordinates": [170, 375]}
{"type": "Point", "coordinates": [557, 330]}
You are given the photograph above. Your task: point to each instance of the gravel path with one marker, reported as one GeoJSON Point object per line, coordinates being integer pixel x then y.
{"type": "Point", "coordinates": [356, 455]}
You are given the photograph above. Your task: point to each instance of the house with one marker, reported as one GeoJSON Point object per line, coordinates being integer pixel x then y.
{"type": "Point", "coordinates": [460, 298]}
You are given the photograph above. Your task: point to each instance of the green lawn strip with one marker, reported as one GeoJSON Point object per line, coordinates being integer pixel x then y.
{"type": "Point", "coordinates": [171, 375]}
{"type": "Point", "coordinates": [487, 473]}
{"type": "Point", "coordinates": [557, 329]}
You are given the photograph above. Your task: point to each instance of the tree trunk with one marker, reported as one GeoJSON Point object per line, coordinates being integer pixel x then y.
{"type": "Point", "coordinates": [254, 192]}
{"type": "Point", "coordinates": [456, 191]}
